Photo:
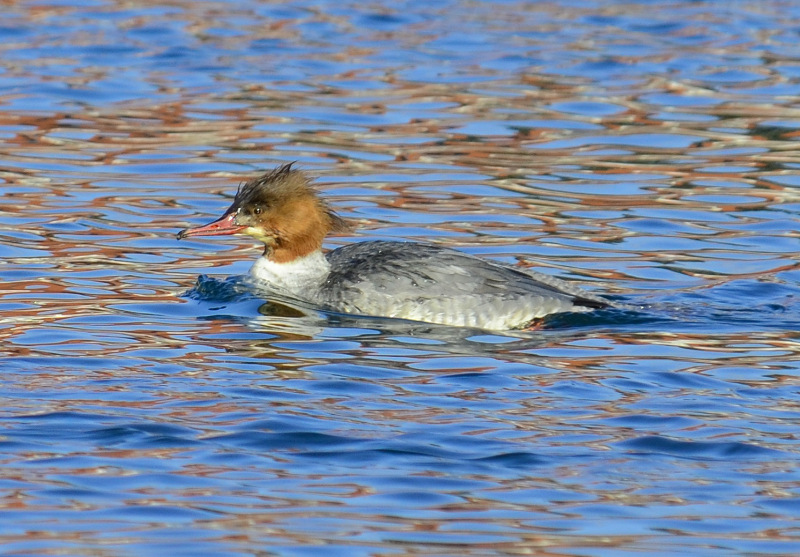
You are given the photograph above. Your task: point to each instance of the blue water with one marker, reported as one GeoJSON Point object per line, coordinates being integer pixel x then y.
{"type": "Point", "coordinates": [153, 402]}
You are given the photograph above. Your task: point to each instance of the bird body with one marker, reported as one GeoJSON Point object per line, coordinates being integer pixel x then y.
{"type": "Point", "coordinates": [408, 280]}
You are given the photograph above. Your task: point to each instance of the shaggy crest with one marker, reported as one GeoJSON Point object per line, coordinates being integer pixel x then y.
{"type": "Point", "coordinates": [277, 187]}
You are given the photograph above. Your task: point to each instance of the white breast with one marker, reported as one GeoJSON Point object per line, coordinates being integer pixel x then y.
{"type": "Point", "coordinates": [300, 278]}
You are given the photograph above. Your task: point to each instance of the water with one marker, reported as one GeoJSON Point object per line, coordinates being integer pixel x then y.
{"type": "Point", "coordinates": [645, 150]}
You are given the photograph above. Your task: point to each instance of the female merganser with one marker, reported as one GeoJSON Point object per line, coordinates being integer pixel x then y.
{"type": "Point", "coordinates": [407, 280]}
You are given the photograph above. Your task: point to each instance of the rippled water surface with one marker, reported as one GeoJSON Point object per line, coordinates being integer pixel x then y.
{"type": "Point", "coordinates": [647, 150]}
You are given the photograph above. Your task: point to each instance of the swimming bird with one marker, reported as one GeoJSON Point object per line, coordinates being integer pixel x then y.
{"type": "Point", "coordinates": [407, 280]}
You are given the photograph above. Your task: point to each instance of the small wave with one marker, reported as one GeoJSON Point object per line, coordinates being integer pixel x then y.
{"type": "Point", "coordinates": [655, 444]}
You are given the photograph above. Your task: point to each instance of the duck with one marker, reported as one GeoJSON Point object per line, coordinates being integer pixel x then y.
{"type": "Point", "coordinates": [395, 279]}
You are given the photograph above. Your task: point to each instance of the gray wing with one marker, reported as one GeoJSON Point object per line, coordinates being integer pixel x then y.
{"type": "Point", "coordinates": [431, 283]}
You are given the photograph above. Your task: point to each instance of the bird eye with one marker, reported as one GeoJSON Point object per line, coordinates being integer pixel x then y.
{"type": "Point", "coordinates": [257, 210]}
